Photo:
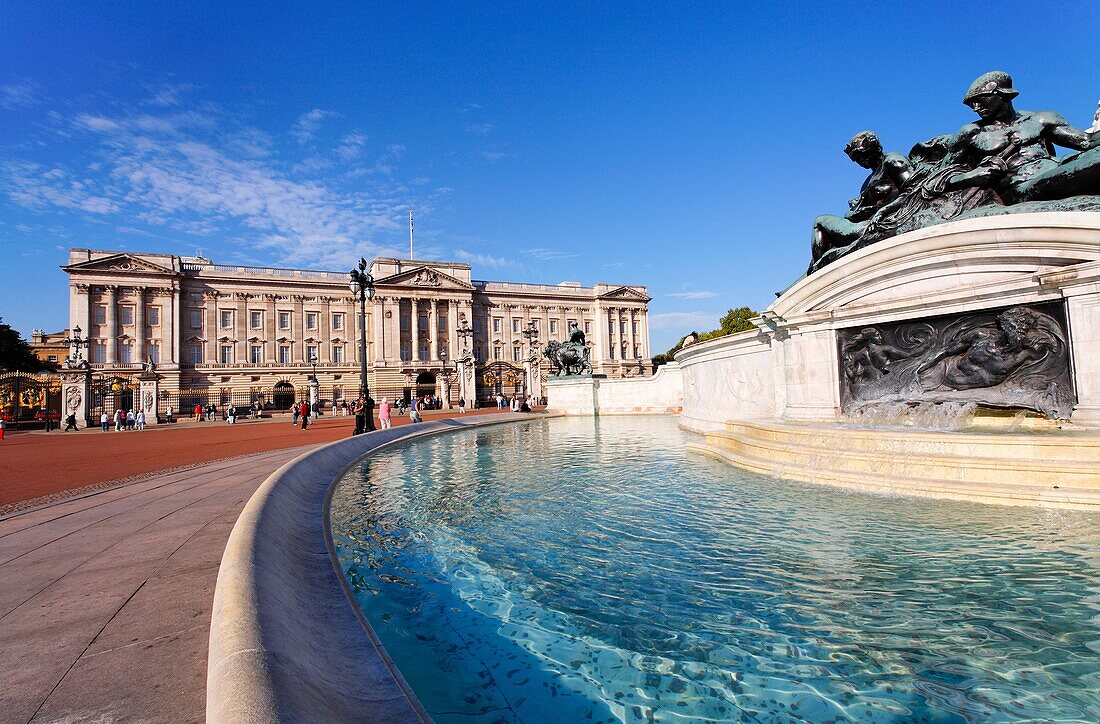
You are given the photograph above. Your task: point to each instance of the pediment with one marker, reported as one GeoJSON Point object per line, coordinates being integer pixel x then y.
{"type": "Point", "coordinates": [424, 277]}
{"type": "Point", "coordinates": [119, 263]}
{"type": "Point", "coordinates": [626, 294]}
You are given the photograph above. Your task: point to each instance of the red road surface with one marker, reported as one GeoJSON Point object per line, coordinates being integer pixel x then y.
{"type": "Point", "coordinates": [34, 464]}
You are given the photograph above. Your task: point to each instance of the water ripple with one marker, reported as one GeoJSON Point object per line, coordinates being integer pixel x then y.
{"type": "Point", "coordinates": [575, 569]}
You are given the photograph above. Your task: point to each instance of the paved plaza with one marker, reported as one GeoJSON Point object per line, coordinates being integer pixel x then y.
{"type": "Point", "coordinates": [106, 596]}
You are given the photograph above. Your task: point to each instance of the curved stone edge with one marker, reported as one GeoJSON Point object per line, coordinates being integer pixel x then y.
{"type": "Point", "coordinates": [286, 641]}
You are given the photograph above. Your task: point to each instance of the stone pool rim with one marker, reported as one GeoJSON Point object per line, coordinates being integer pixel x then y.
{"type": "Point", "coordinates": [287, 640]}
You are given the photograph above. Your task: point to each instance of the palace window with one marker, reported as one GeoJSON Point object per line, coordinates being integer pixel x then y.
{"type": "Point", "coordinates": [622, 327]}
{"type": "Point", "coordinates": [337, 322]}
{"type": "Point", "coordinates": [611, 327]}
{"type": "Point", "coordinates": [256, 354]}
{"type": "Point", "coordinates": [284, 320]}
{"type": "Point", "coordinates": [406, 352]}
{"type": "Point", "coordinates": [226, 319]}
{"type": "Point", "coordinates": [311, 320]}
{"type": "Point", "coordinates": [284, 354]}
{"type": "Point", "coordinates": [226, 355]}
{"type": "Point", "coordinates": [52, 357]}
{"type": "Point", "coordinates": [497, 324]}
{"type": "Point", "coordinates": [634, 327]}
{"type": "Point", "coordinates": [152, 316]}
{"type": "Point", "coordinates": [404, 323]}
{"type": "Point", "coordinates": [516, 353]}
{"type": "Point", "coordinates": [477, 353]}
{"type": "Point", "coordinates": [515, 325]}
{"type": "Point", "coordinates": [126, 353]}
{"type": "Point", "coordinates": [338, 354]}
{"type": "Point", "coordinates": [99, 352]}
{"type": "Point", "coordinates": [194, 354]}
{"type": "Point", "coordinates": [195, 316]}
{"type": "Point", "coordinates": [553, 326]}
{"type": "Point", "coordinates": [496, 353]}
{"type": "Point", "coordinates": [637, 351]}
{"type": "Point", "coordinates": [153, 350]}
{"type": "Point", "coordinates": [99, 314]}
{"type": "Point", "coordinates": [255, 319]}
{"type": "Point", "coordinates": [126, 316]}
{"type": "Point", "coordinates": [422, 324]}
{"type": "Point", "coordinates": [311, 353]}
{"type": "Point", "coordinates": [441, 322]}
{"type": "Point", "coordinates": [587, 327]}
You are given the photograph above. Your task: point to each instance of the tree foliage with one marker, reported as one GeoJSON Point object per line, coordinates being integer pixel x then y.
{"type": "Point", "coordinates": [16, 354]}
{"type": "Point", "coordinates": [735, 320]}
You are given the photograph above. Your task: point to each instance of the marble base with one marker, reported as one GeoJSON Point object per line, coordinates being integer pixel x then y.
{"type": "Point", "coordinates": [1057, 468]}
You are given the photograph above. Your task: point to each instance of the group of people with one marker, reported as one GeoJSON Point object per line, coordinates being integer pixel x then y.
{"type": "Point", "coordinates": [515, 403]}
{"type": "Point", "coordinates": [123, 420]}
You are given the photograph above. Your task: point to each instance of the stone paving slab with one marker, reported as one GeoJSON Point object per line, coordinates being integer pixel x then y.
{"type": "Point", "coordinates": [105, 599]}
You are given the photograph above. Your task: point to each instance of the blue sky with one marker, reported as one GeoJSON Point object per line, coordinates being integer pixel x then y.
{"type": "Point", "coordinates": [684, 146]}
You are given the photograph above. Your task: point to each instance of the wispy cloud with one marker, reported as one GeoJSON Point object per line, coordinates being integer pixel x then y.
{"type": "Point", "coordinates": [481, 259]}
{"type": "Point", "coordinates": [307, 125]}
{"type": "Point", "coordinates": [352, 145]}
{"type": "Point", "coordinates": [548, 254]}
{"type": "Point", "coordinates": [699, 294]}
{"type": "Point", "coordinates": [20, 95]}
{"type": "Point", "coordinates": [494, 156]}
{"type": "Point", "coordinates": [481, 129]}
{"type": "Point", "coordinates": [169, 95]}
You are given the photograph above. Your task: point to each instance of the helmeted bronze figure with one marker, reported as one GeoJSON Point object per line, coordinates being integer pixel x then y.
{"type": "Point", "coordinates": [1002, 163]}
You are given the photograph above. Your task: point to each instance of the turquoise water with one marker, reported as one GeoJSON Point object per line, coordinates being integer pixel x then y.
{"type": "Point", "coordinates": [580, 570]}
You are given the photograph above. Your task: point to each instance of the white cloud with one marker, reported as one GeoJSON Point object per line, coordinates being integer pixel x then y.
{"type": "Point", "coordinates": [685, 321]}
{"type": "Point", "coordinates": [693, 295]}
{"type": "Point", "coordinates": [351, 146]}
{"type": "Point", "coordinates": [20, 95]}
{"type": "Point", "coordinates": [494, 156]}
{"type": "Point", "coordinates": [548, 254]}
{"type": "Point", "coordinates": [481, 129]}
{"type": "Point", "coordinates": [307, 125]}
{"type": "Point", "coordinates": [481, 259]}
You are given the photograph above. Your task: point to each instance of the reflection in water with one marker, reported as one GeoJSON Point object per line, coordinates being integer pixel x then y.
{"type": "Point", "coordinates": [574, 569]}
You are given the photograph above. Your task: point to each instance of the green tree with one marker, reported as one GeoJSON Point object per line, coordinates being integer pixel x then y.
{"type": "Point", "coordinates": [734, 321]}
{"type": "Point", "coordinates": [16, 354]}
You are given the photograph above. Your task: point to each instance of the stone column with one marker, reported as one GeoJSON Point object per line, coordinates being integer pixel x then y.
{"type": "Point", "coordinates": [80, 308]}
{"type": "Point", "coordinates": [211, 330]}
{"type": "Point", "coordinates": [324, 351]}
{"type": "Point", "coordinates": [298, 328]}
{"type": "Point", "coordinates": [176, 332]}
{"type": "Point", "coordinates": [414, 328]}
{"type": "Point", "coordinates": [453, 352]}
{"type": "Point", "coordinates": [633, 337]}
{"type": "Point", "coordinates": [139, 324]}
{"type": "Point", "coordinates": [433, 330]}
{"type": "Point", "coordinates": [112, 324]}
{"type": "Point", "coordinates": [240, 327]}
{"type": "Point", "coordinates": [271, 347]}
{"type": "Point", "coordinates": [378, 315]}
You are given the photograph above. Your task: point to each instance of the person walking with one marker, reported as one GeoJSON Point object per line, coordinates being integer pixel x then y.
{"type": "Point", "coordinates": [462, 405]}
{"type": "Point", "coordinates": [414, 410]}
{"type": "Point", "coordinates": [168, 415]}
{"type": "Point", "coordinates": [231, 415]}
{"type": "Point", "coordinates": [198, 412]}
{"type": "Point", "coordinates": [131, 419]}
{"type": "Point", "coordinates": [70, 422]}
{"type": "Point", "coordinates": [139, 420]}
{"type": "Point", "coordinates": [294, 408]}
{"type": "Point", "coordinates": [303, 412]}
{"type": "Point", "coordinates": [104, 421]}
{"type": "Point", "coordinates": [120, 418]}
{"type": "Point", "coordinates": [385, 414]}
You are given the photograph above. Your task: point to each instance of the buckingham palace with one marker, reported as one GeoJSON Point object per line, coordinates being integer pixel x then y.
{"type": "Point", "coordinates": [243, 334]}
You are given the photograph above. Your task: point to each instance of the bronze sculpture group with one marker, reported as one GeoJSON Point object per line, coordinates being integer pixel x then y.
{"type": "Point", "coordinates": [571, 357]}
{"type": "Point", "coordinates": [1004, 162]}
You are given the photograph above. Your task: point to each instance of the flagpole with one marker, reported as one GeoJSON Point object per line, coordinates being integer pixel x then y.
{"type": "Point", "coordinates": [410, 235]}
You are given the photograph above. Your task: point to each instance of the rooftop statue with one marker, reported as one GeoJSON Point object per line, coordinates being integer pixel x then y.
{"type": "Point", "coordinates": [1002, 163]}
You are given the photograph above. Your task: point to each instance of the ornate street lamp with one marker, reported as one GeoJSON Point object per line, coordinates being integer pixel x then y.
{"type": "Point", "coordinates": [531, 333]}
{"type": "Point", "coordinates": [362, 286]}
{"type": "Point", "coordinates": [75, 342]}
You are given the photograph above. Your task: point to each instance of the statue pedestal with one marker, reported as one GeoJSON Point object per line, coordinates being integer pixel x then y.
{"type": "Point", "coordinates": [76, 386]}
{"type": "Point", "coordinates": [148, 396]}
{"type": "Point", "coordinates": [574, 395]}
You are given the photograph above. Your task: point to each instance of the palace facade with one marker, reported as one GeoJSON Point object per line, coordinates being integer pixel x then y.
{"type": "Point", "coordinates": [220, 329]}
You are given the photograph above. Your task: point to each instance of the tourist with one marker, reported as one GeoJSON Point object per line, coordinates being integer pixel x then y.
{"type": "Point", "coordinates": [385, 416]}
{"type": "Point", "coordinates": [70, 422]}
{"type": "Point", "coordinates": [131, 420]}
{"type": "Point", "coordinates": [198, 412]}
{"type": "Point", "coordinates": [213, 412]}
{"type": "Point", "coordinates": [105, 422]}
{"type": "Point", "coordinates": [139, 420]}
{"type": "Point", "coordinates": [462, 405]}
{"type": "Point", "coordinates": [303, 412]}
{"type": "Point", "coordinates": [294, 414]}
{"type": "Point", "coordinates": [526, 406]}
{"type": "Point", "coordinates": [168, 415]}
{"type": "Point", "coordinates": [359, 408]}
{"type": "Point", "coordinates": [344, 408]}
{"type": "Point", "coordinates": [231, 415]}
{"type": "Point", "coordinates": [120, 419]}
{"type": "Point", "coordinates": [414, 412]}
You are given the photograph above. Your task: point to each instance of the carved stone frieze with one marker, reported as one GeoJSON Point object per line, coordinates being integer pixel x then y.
{"type": "Point", "coordinates": [1008, 358]}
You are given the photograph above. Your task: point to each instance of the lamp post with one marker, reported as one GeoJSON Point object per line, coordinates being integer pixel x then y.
{"type": "Point", "coordinates": [75, 342]}
{"type": "Point", "coordinates": [362, 286]}
{"type": "Point", "coordinates": [446, 374]}
{"type": "Point", "coordinates": [314, 383]}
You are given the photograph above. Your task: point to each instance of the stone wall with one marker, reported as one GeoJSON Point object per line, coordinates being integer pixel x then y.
{"type": "Point", "coordinates": [596, 395]}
